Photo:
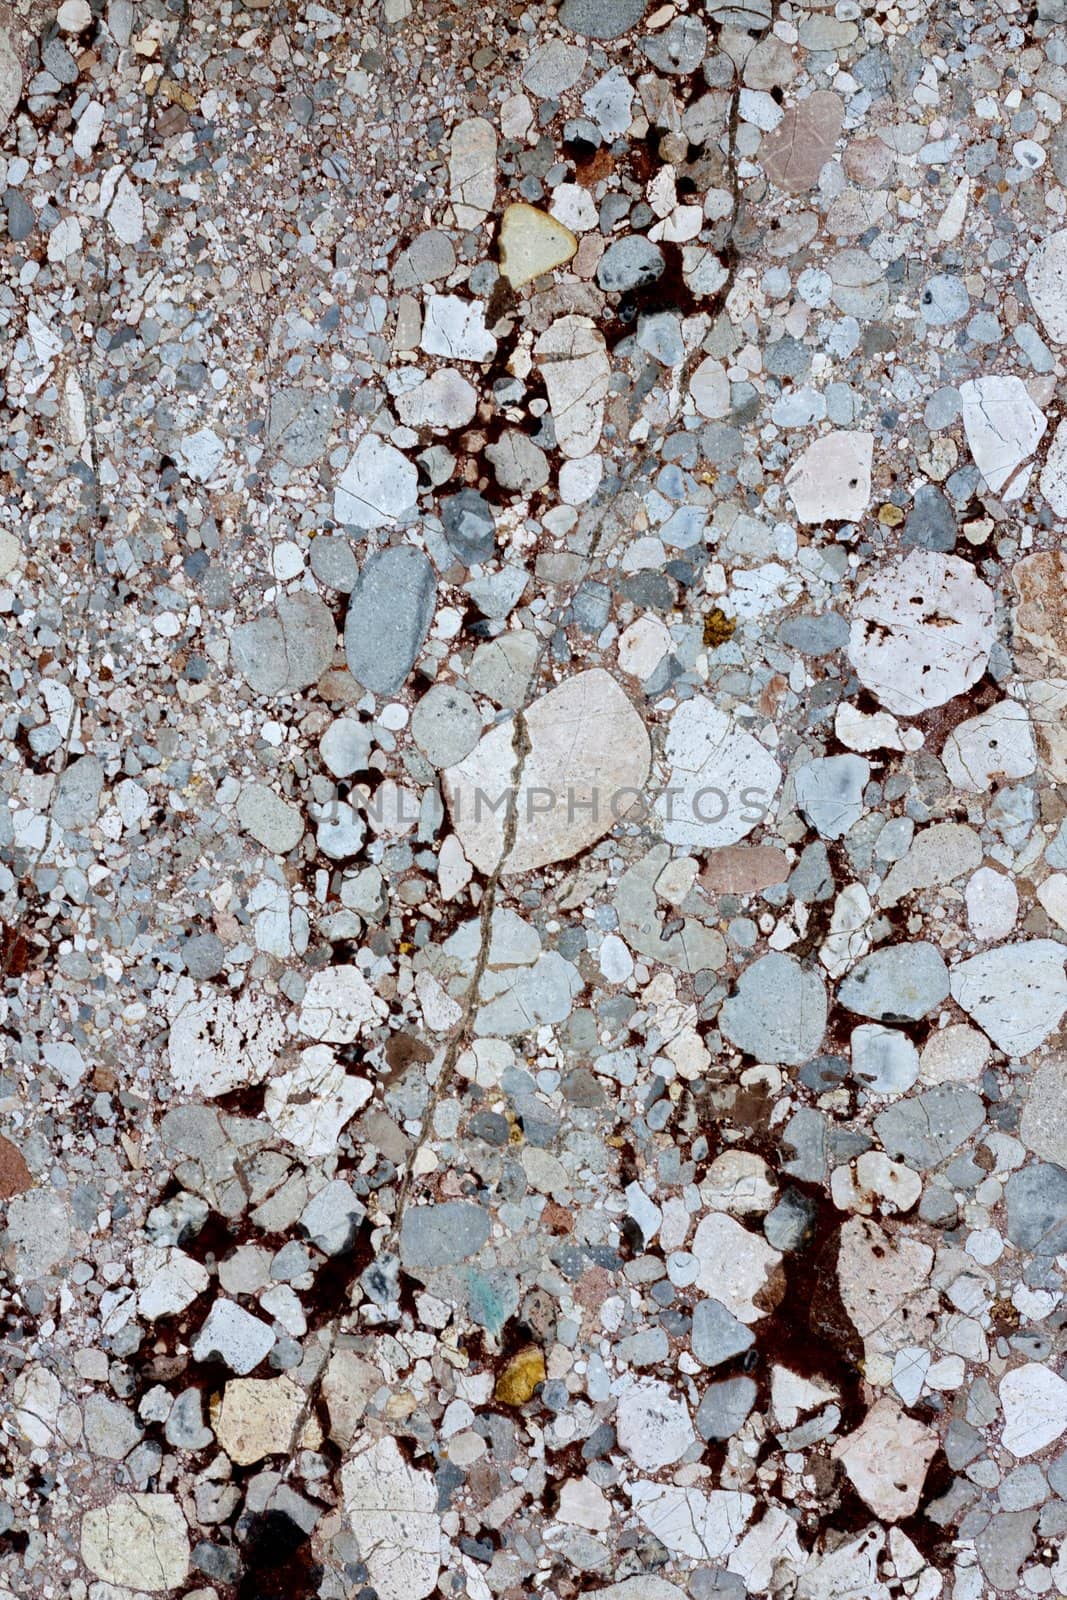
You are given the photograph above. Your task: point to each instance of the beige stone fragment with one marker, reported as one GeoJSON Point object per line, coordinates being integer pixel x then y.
{"type": "Point", "coordinates": [137, 1541]}
{"type": "Point", "coordinates": [803, 142]}
{"type": "Point", "coordinates": [257, 1418]}
{"type": "Point", "coordinates": [588, 747]}
{"type": "Point", "coordinates": [886, 1459]}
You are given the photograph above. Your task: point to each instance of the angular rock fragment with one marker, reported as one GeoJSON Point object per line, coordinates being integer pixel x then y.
{"type": "Point", "coordinates": [576, 763]}
{"type": "Point", "coordinates": [532, 243]}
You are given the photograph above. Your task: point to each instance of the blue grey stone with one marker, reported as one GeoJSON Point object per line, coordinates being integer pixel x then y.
{"type": "Point", "coordinates": [925, 1131]}
{"type": "Point", "coordinates": [442, 1235]}
{"type": "Point", "coordinates": [778, 1012]}
{"type": "Point", "coordinates": [931, 521]}
{"type": "Point", "coordinates": [725, 1407]}
{"type": "Point", "coordinates": [630, 263]}
{"type": "Point", "coordinates": [815, 636]}
{"type": "Point", "coordinates": [1036, 1199]}
{"type": "Point", "coordinates": [21, 219]}
{"type": "Point", "coordinates": [661, 337]}
{"type": "Point", "coordinates": [389, 616]}
{"type": "Point", "coordinates": [899, 983]}
{"type": "Point", "coordinates": [469, 527]}
{"type": "Point", "coordinates": [717, 1335]}
{"type": "Point", "coordinates": [944, 300]}
{"type": "Point", "coordinates": [829, 793]}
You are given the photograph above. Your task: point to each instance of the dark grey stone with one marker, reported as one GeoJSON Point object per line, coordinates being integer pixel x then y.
{"type": "Point", "coordinates": [442, 1235]}
{"type": "Point", "coordinates": [601, 19]}
{"type": "Point", "coordinates": [469, 527]}
{"type": "Point", "coordinates": [815, 636]}
{"type": "Point", "coordinates": [725, 1407]}
{"type": "Point", "coordinates": [1036, 1200]}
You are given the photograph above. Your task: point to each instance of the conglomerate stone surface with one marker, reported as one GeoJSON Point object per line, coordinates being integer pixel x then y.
{"type": "Point", "coordinates": [533, 849]}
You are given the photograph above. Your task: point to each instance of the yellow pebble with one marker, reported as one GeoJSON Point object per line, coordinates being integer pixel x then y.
{"type": "Point", "coordinates": [520, 1377]}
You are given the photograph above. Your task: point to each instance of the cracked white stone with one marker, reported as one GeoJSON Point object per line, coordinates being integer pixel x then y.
{"type": "Point", "coordinates": [993, 748]}
{"type": "Point", "coordinates": [455, 328]}
{"type": "Point", "coordinates": [311, 1102]}
{"type": "Point", "coordinates": [922, 631]}
{"type": "Point", "coordinates": [1003, 427]}
{"type": "Point", "coordinates": [137, 1541]}
{"type": "Point", "coordinates": [378, 486]}
{"type": "Point", "coordinates": [217, 1044]}
{"type": "Point", "coordinates": [653, 1425]}
{"type": "Point", "coordinates": [831, 482]}
{"type": "Point", "coordinates": [167, 1279]}
{"type": "Point", "coordinates": [125, 208]}
{"type": "Point", "coordinates": [393, 1511]}
{"type": "Point", "coordinates": [1017, 993]}
{"type": "Point", "coordinates": [338, 1004]}
{"type": "Point", "coordinates": [472, 171]}
{"type": "Point", "coordinates": [723, 780]}
{"type": "Point", "coordinates": [1053, 478]}
{"type": "Point", "coordinates": [1034, 1399]}
{"type": "Point", "coordinates": [587, 766]}
{"type": "Point", "coordinates": [734, 1265]}
{"type": "Point", "coordinates": [443, 401]}
{"type": "Point", "coordinates": [703, 1527]}
{"type": "Point", "coordinates": [1046, 284]}
{"type": "Point", "coordinates": [574, 363]}
{"type": "Point", "coordinates": [886, 1459]}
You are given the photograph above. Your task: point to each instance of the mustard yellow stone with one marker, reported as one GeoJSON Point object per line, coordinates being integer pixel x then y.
{"type": "Point", "coordinates": [520, 1377]}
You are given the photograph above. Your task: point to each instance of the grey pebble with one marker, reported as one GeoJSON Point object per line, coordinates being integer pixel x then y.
{"type": "Point", "coordinates": [601, 19]}
{"type": "Point", "coordinates": [899, 983]}
{"type": "Point", "coordinates": [778, 1012]}
{"type": "Point", "coordinates": [629, 263]}
{"type": "Point", "coordinates": [469, 526]}
{"type": "Point", "coordinates": [931, 523]}
{"type": "Point", "coordinates": [389, 616]}
{"type": "Point", "coordinates": [925, 1131]}
{"type": "Point", "coordinates": [944, 300]}
{"type": "Point", "coordinates": [299, 425]}
{"type": "Point", "coordinates": [717, 1335]}
{"type": "Point", "coordinates": [442, 1235]}
{"type": "Point", "coordinates": [289, 651]}
{"type": "Point", "coordinates": [333, 561]}
{"type": "Point", "coordinates": [78, 793]}
{"type": "Point", "coordinates": [1036, 1206]}
{"type": "Point", "coordinates": [815, 635]}
{"type": "Point", "coordinates": [725, 1407]}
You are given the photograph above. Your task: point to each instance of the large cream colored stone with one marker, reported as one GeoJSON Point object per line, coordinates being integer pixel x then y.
{"type": "Point", "coordinates": [532, 243]}
{"type": "Point", "coordinates": [588, 748]}
{"type": "Point", "coordinates": [257, 1417]}
{"type": "Point", "coordinates": [138, 1541]}
{"type": "Point", "coordinates": [886, 1459]}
